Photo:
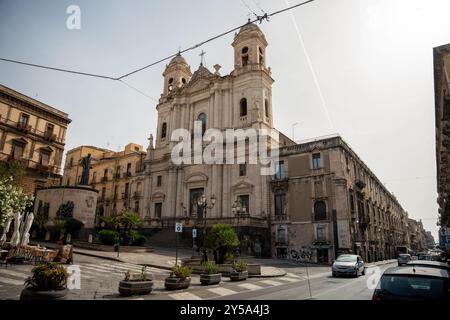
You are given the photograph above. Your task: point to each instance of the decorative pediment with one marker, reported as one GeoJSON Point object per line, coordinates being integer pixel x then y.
{"type": "Point", "coordinates": [196, 177]}
{"type": "Point", "coordinates": [46, 149]}
{"type": "Point", "coordinates": [197, 85]}
{"type": "Point", "coordinates": [158, 196]}
{"type": "Point", "coordinates": [243, 187]}
{"type": "Point", "coordinates": [19, 141]}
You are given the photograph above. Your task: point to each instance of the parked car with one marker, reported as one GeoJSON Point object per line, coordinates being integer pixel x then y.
{"type": "Point", "coordinates": [413, 283]}
{"type": "Point", "coordinates": [348, 264]}
{"type": "Point", "coordinates": [403, 259]}
{"type": "Point", "coordinates": [430, 264]}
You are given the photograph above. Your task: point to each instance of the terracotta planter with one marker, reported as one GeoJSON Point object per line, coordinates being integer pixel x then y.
{"type": "Point", "coordinates": [238, 276]}
{"type": "Point", "coordinates": [209, 279]}
{"type": "Point", "coordinates": [129, 288]}
{"type": "Point", "coordinates": [33, 294]}
{"type": "Point", "coordinates": [177, 283]}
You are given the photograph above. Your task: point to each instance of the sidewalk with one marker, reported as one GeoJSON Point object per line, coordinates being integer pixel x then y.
{"type": "Point", "coordinates": [162, 258]}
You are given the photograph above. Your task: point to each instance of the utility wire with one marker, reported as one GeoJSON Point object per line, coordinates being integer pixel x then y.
{"type": "Point", "coordinates": [58, 69]}
{"type": "Point", "coordinates": [259, 19]}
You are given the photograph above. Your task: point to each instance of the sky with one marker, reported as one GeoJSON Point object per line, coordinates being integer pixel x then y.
{"type": "Point", "coordinates": [360, 68]}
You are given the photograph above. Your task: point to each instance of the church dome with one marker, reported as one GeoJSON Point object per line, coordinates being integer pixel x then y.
{"type": "Point", "coordinates": [178, 59]}
{"type": "Point", "coordinates": [249, 26]}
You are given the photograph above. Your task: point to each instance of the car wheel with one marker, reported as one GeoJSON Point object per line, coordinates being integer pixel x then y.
{"type": "Point", "coordinates": [364, 271]}
{"type": "Point", "coordinates": [356, 273]}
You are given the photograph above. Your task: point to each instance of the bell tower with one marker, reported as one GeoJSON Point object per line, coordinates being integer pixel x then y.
{"type": "Point", "coordinates": [176, 74]}
{"type": "Point", "coordinates": [249, 47]}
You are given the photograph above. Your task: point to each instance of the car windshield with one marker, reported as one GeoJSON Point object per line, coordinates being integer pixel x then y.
{"type": "Point", "coordinates": [346, 259]}
{"type": "Point", "coordinates": [415, 287]}
{"type": "Point", "coordinates": [404, 256]}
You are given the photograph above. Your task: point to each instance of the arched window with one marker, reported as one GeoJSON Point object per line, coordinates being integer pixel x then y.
{"type": "Point", "coordinates": [320, 211]}
{"type": "Point", "coordinates": [183, 80]}
{"type": "Point", "coordinates": [243, 107]}
{"type": "Point", "coordinates": [164, 130]}
{"type": "Point", "coordinates": [244, 52]}
{"type": "Point", "coordinates": [261, 56]}
{"type": "Point", "coordinates": [266, 108]}
{"type": "Point", "coordinates": [202, 118]}
{"type": "Point", "coordinates": [170, 87]}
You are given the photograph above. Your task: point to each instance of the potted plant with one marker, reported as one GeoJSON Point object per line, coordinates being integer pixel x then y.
{"type": "Point", "coordinates": [136, 283]}
{"type": "Point", "coordinates": [179, 278]}
{"type": "Point", "coordinates": [48, 282]}
{"type": "Point", "coordinates": [239, 271]}
{"type": "Point", "coordinates": [210, 275]}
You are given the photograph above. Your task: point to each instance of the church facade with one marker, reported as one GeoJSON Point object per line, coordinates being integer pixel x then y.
{"type": "Point", "coordinates": [232, 193]}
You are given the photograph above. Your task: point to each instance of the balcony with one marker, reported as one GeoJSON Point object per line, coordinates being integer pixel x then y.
{"type": "Point", "coordinates": [127, 174]}
{"type": "Point", "coordinates": [117, 175]}
{"type": "Point", "coordinates": [125, 195]}
{"type": "Point", "coordinates": [20, 161]}
{"type": "Point", "coordinates": [104, 179]}
{"type": "Point", "coordinates": [243, 118]}
{"type": "Point", "coordinates": [137, 194]}
{"type": "Point", "coordinates": [50, 136]}
{"type": "Point", "coordinates": [280, 217]}
{"type": "Point", "coordinates": [24, 127]}
{"type": "Point", "coordinates": [42, 167]}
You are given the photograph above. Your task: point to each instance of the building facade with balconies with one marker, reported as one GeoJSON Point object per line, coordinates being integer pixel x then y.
{"type": "Point", "coordinates": [32, 134]}
{"type": "Point", "coordinates": [442, 114]}
{"type": "Point", "coordinates": [117, 176]}
{"type": "Point", "coordinates": [326, 201]}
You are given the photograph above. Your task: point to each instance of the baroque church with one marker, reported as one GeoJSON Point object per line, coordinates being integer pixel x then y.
{"type": "Point", "coordinates": [201, 195]}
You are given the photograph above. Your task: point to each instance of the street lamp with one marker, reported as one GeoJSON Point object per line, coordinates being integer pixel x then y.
{"type": "Point", "coordinates": [203, 204]}
{"type": "Point", "coordinates": [237, 209]}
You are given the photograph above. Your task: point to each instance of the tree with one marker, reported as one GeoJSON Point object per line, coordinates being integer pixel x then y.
{"type": "Point", "coordinates": [222, 240]}
{"type": "Point", "coordinates": [12, 199]}
{"type": "Point", "coordinates": [41, 219]}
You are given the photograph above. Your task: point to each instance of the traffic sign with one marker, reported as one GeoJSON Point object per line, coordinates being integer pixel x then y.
{"type": "Point", "coordinates": [194, 233]}
{"type": "Point", "coordinates": [178, 227]}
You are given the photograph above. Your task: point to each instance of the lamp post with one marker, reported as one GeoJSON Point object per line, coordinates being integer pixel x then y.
{"type": "Point", "coordinates": [237, 208]}
{"type": "Point", "coordinates": [203, 204]}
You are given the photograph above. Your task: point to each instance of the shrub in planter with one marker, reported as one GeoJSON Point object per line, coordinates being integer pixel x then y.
{"type": "Point", "coordinates": [136, 283]}
{"type": "Point", "coordinates": [134, 238]}
{"type": "Point", "coordinates": [179, 278]}
{"type": "Point", "coordinates": [48, 282]}
{"type": "Point", "coordinates": [108, 237]}
{"type": "Point", "coordinates": [222, 240]}
{"type": "Point", "coordinates": [210, 275]}
{"type": "Point", "coordinates": [239, 271]}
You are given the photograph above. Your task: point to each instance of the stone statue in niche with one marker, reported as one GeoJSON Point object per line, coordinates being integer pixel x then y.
{"type": "Point", "coordinates": [86, 165]}
{"type": "Point", "coordinates": [256, 109]}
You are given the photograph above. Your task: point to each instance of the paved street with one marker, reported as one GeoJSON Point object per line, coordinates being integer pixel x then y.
{"type": "Point", "coordinates": [100, 279]}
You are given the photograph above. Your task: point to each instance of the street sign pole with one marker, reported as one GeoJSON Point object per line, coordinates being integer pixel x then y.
{"type": "Point", "coordinates": [176, 250]}
{"type": "Point", "coordinates": [178, 229]}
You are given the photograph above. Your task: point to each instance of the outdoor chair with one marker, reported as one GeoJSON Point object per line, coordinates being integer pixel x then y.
{"type": "Point", "coordinates": [4, 260]}
{"type": "Point", "coordinates": [50, 257]}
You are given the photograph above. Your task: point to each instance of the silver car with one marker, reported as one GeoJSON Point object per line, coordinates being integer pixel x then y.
{"type": "Point", "coordinates": [348, 264]}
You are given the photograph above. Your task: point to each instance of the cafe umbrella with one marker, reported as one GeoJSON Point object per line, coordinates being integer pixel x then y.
{"type": "Point", "coordinates": [15, 239]}
{"type": "Point", "coordinates": [26, 229]}
{"type": "Point", "coordinates": [6, 227]}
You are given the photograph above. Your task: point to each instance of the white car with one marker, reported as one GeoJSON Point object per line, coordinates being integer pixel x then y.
{"type": "Point", "coordinates": [348, 264]}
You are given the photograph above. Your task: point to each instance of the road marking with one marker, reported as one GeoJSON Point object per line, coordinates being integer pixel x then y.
{"type": "Point", "coordinates": [103, 270]}
{"type": "Point", "coordinates": [222, 291]}
{"type": "Point", "coordinates": [184, 296]}
{"type": "Point", "coordinates": [292, 275]}
{"type": "Point", "coordinates": [271, 282]}
{"type": "Point", "coordinates": [11, 281]}
{"type": "Point", "coordinates": [14, 273]}
{"type": "Point", "coordinates": [288, 279]}
{"type": "Point", "coordinates": [121, 267]}
{"type": "Point", "coordinates": [249, 286]}
{"type": "Point", "coordinates": [137, 268]}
